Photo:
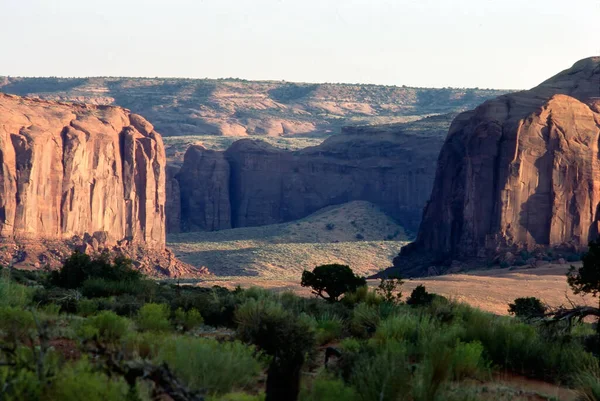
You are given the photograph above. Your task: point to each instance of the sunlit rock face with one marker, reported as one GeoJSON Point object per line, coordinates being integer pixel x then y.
{"type": "Point", "coordinates": [519, 171]}
{"type": "Point", "coordinates": [69, 170]}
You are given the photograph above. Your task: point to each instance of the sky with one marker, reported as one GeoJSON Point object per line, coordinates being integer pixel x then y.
{"type": "Point", "coordinates": [508, 44]}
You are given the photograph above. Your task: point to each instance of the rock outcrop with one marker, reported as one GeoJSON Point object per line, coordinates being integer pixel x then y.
{"type": "Point", "coordinates": [204, 186]}
{"type": "Point", "coordinates": [518, 172]}
{"type": "Point", "coordinates": [92, 175]}
{"type": "Point", "coordinates": [253, 183]}
{"type": "Point", "coordinates": [74, 169]}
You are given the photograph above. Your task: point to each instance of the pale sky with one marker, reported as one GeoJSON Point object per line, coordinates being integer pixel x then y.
{"type": "Point", "coordinates": [435, 43]}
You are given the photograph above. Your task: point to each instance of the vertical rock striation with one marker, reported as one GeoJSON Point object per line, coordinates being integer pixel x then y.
{"type": "Point", "coordinates": [69, 170]}
{"type": "Point", "coordinates": [519, 172]}
{"type": "Point", "coordinates": [253, 183]}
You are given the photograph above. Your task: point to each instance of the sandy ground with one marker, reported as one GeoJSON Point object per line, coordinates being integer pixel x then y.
{"type": "Point", "coordinates": [491, 289]}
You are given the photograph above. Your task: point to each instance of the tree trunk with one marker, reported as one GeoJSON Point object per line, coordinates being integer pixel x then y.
{"type": "Point", "coordinates": [283, 381]}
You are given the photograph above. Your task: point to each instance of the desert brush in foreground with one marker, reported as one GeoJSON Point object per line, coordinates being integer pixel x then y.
{"type": "Point", "coordinates": [98, 330]}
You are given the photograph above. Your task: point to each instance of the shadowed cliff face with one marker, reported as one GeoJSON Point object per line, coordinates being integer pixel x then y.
{"type": "Point", "coordinates": [520, 171]}
{"type": "Point", "coordinates": [253, 183]}
{"type": "Point", "coordinates": [69, 170]}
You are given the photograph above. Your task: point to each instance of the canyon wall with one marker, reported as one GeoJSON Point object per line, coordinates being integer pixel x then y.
{"type": "Point", "coordinates": [519, 172]}
{"type": "Point", "coordinates": [253, 183]}
{"type": "Point", "coordinates": [69, 170]}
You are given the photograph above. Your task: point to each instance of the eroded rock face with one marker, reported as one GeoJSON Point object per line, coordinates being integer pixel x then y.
{"type": "Point", "coordinates": [204, 185]}
{"type": "Point", "coordinates": [519, 172]}
{"type": "Point", "coordinates": [69, 170]}
{"type": "Point", "coordinates": [253, 183]}
{"type": "Point", "coordinates": [173, 201]}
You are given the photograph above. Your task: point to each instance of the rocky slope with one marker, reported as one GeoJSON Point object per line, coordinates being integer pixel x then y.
{"type": "Point", "coordinates": [518, 172]}
{"type": "Point", "coordinates": [91, 175]}
{"type": "Point", "coordinates": [253, 183]}
{"type": "Point", "coordinates": [236, 107]}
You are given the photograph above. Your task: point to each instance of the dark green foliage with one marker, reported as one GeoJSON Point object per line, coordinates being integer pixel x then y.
{"type": "Point", "coordinates": [420, 297]}
{"type": "Point", "coordinates": [211, 366]}
{"type": "Point", "coordinates": [573, 257]}
{"type": "Point", "coordinates": [389, 288]}
{"type": "Point", "coordinates": [527, 308]}
{"type": "Point", "coordinates": [106, 327]}
{"type": "Point", "coordinates": [81, 267]}
{"type": "Point", "coordinates": [101, 287]}
{"type": "Point", "coordinates": [387, 350]}
{"type": "Point", "coordinates": [283, 336]}
{"type": "Point", "coordinates": [187, 321]}
{"type": "Point", "coordinates": [333, 280]}
{"type": "Point", "coordinates": [586, 279]}
{"type": "Point", "coordinates": [153, 317]}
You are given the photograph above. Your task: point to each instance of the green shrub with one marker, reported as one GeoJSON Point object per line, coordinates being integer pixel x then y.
{"type": "Point", "coordinates": [19, 383]}
{"type": "Point", "coordinates": [206, 364]}
{"type": "Point", "coordinates": [362, 295]}
{"type": "Point", "coordinates": [51, 309]}
{"type": "Point", "coordinates": [281, 335]}
{"type": "Point", "coordinates": [365, 320]}
{"type": "Point", "coordinates": [153, 317]}
{"type": "Point", "coordinates": [13, 294]}
{"type": "Point", "coordinates": [125, 305]}
{"type": "Point", "coordinates": [145, 345]}
{"type": "Point", "coordinates": [87, 307]}
{"type": "Point", "coordinates": [100, 288]}
{"type": "Point", "coordinates": [420, 297]}
{"type": "Point", "coordinates": [107, 326]}
{"type": "Point", "coordinates": [16, 324]}
{"type": "Point", "coordinates": [384, 375]}
{"type": "Point", "coordinates": [587, 385]}
{"type": "Point", "coordinates": [328, 389]}
{"type": "Point", "coordinates": [238, 397]}
{"type": "Point", "coordinates": [189, 320]}
{"type": "Point", "coordinates": [519, 347]}
{"type": "Point", "coordinates": [527, 308]}
{"type": "Point", "coordinates": [402, 328]}
{"type": "Point", "coordinates": [257, 293]}
{"type": "Point", "coordinates": [432, 374]}
{"type": "Point", "coordinates": [67, 299]}
{"type": "Point", "coordinates": [468, 361]}
{"type": "Point", "coordinates": [81, 267]}
{"type": "Point", "coordinates": [80, 382]}
{"type": "Point", "coordinates": [329, 327]}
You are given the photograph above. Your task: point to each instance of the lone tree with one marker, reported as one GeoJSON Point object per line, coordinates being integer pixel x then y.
{"type": "Point", "coordinates": [333, 280]}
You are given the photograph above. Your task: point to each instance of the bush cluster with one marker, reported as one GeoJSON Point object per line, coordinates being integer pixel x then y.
{"type": "Point", "coordinates": [88, 336]}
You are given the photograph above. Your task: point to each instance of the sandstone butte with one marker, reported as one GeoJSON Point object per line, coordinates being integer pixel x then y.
{"type": "Point", "coordinates": [520, 172]}
{"type": "Point", "coordinates": [91, 176]}
{"type": "Point", "coordinates": [253, 183]}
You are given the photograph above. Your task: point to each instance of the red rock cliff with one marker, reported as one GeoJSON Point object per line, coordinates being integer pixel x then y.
{"type": "Point", "coordinates": [520, 171]}
{"type": "Point", "coordinates": [69, 170]}
{"type": "Point", "coordinates": [253, 183]}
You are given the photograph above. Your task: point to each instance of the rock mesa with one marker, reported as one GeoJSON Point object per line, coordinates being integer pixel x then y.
{"type": "Point", "coordinates": [519, 172]}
